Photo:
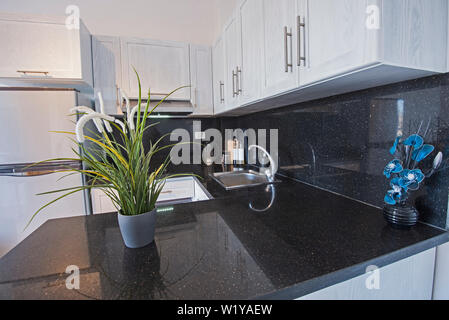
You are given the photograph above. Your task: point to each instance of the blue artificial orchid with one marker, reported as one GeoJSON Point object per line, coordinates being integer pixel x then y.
{"type": "Point", "coordinates": [394, 166]}
{"type": "Point", "coordinates": [410, 179]}
{"type": "Point", "coordinates": [395, 195]}
{"type": "Point", "coordinates": [422, 153]}
{"type": "Point", "coordinates": [395, 145]}
{"type": "Point", "coordinates": [414, 141]}
{"type": "Point", "coordinates": [404, 174]}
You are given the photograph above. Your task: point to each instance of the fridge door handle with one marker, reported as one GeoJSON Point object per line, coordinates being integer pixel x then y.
{"type": "Point", "coordinates": [38, 170]}
{"type": "Point", "coordinates": [28, 173]}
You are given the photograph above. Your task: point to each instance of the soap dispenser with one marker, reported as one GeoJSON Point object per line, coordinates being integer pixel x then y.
{"type": "Point", "coordinates": [238, 153]}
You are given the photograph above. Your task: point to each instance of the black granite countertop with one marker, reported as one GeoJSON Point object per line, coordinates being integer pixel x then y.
{"type": "Point", "coordinates": [279, 242]}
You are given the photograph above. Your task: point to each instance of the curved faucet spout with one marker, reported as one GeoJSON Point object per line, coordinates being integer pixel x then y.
{"type": "Point", "coordinates": [273, 166]}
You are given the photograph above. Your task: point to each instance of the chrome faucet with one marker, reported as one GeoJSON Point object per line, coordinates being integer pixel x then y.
{"type": "Point", "coordinates": [271, 172]}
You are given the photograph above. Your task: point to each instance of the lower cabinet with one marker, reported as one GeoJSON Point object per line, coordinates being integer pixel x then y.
{"type": "Point", "coordinates": [176, 190]}
{"type": "Point", "coordinates": [408, 279]}
{"type": "Point", "coordinates": [441, 281]}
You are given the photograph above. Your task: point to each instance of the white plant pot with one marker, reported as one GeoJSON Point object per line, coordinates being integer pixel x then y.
{"type": "Point", "coordinates": [137, 231]}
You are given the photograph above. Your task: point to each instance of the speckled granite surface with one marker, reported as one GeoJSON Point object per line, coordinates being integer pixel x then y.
{"type": "Point", "coordinates": [341, 143]}
{"type": "Point", "coordinates": [220, 249]}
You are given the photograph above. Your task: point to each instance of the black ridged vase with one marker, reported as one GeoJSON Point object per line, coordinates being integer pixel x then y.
{"type": "Point", "coordinates": [402, 216]}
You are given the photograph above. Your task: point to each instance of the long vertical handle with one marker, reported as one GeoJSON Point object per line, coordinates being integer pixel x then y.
{"type": "Point", "coordinates": [286, 35]}
{"type": "Point", "coordinates": [239, 81]}
{"type": "Point", "coordinates": [221, 92]}
{"type": "Point", "coordinates": [233, 84]}
{"type": "Point", "coordinates": [299, 26]}
{"type": "Point", "coordinates": [118, 98]}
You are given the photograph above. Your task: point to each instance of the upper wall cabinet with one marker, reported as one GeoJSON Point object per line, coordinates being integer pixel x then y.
{"type": "Point", "coordinates": [281, 73]}
{"type": "Point", "coordinates": [333, 38]}
{"type": "Point", "coordinates": [318, 48]}
{"type": "Point", "coordinates": [252, 57]}
{"type": "Point", "coordinates": [233, 66]}
{"type": "Point", "coordinates": [107, 71]}
{"type": "Point", "coordinates": [219, 74]}
{"type": "Point", "coordinates": [42, 49]}
{"type": "Point", "coordinates": [201, 79]}
{"type": "Point", "coordinates": [339, 37]}
{"type": "Point", "coordinates": [162, 66]}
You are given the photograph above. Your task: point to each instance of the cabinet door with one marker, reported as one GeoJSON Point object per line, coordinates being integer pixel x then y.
{"type": "Point", "coordinates": [162, 66]}
{"type": "Point", "coordinates": [106, 64]}
{"type": "Point", "coordinates": [252, 28]}
{"type": "Point", "coordinates": [19, 202]}
{"type": "Point", "coordinates": [280, 49]}
{"type": "Point", "coordinates": [177, 189]}
{"type": "Point", "coordinates": [101, 203]}
{"type": "Point", "coordinates": [233, 62]}
{"type": "Point", "coordinates": [201, 78]}
{"type": "Point", "coordinates": [34, 48]}
{"type": "Point", "coordinates": [409, 279]}
{"type": "Point", "coordinates": [219, 83]}
{"type": "Point", "coordinates": [335, 38]}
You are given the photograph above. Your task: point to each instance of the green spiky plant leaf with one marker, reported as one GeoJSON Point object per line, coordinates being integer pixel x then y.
{"type": "Point", "coordinates": [120, 170]}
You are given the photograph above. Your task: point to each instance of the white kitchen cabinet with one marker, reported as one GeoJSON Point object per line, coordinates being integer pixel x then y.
{"type": "Point", "coordinates": [407, 279]}
{"type": "Point", "coordinates": [162, 66]}
{"type": "Point", "coordinates": [233, 56]}
{"type": "Point", "coordinates": [319, 48]}
{"type": "Point", "coordinates": [441, 281]}
{"type": "Point", "coordinates": [176, 190]}
{"type": "Point", "coordinates": [201, 79]}
{"type": "Point", "coordinates": [101, 203]}
{"type": "Point", "coordinates": [251, 16]}
{"type": "Point", "coordinates": [15, 214]}
{"type": "Point", "coordinates": [107, 71]}
{"type": "Point", "coordinates": [43, 50]}
{"type": "Point", "coordinates": [333, 38]}
{"type": "Point", "coordinates": [219, 76]}
{"type": "Point", "coordinates": [346, 36]}
{"type": "Point", "coordinates": [281, 73]}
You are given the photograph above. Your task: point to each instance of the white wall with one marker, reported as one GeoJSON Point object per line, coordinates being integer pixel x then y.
{"type": "Point", "coordinates": [224, 8]}
{"type": "Point", "coordinates": [194, 21]}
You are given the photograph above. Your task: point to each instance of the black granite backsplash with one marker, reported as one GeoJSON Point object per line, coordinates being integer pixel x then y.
{"type": "Point", "coordinates": [166, 126]}
{"type": "Point", "coordinates": [341, 143]}
{"type": "Point", "coordinates": [159, 127]}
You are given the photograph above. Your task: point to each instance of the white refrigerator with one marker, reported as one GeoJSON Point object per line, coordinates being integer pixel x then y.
{"type": "Point", "coordinates": [27, 115]}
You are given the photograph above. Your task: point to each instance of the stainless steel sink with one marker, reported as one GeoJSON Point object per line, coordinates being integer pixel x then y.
{"type": "Point", "coordinates": [241, 179]}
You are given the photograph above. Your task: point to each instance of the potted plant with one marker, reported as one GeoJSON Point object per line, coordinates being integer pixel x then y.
{"type": "Point", "coordinates": [121, 169]}
{"type": "Point", "coordinates": [405, 177]}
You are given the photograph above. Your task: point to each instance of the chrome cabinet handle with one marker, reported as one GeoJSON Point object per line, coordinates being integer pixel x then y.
{"type": "Point", "coordinates": [221, 92]}
{"type": "Point", "coordinates": [196, 97]}
{"type": "Point", "coordinates": [118, 98]}
{"type": "Point", "coordinates": [239, 81]}
{"type": "Point", "coordinates": [29, 173]}
{"type": "Point", "coordinates": [300, 57]}
{"type": "Point", "coordinates": [234, 93]}
{"type": "Point", "coordinates": [286, 35]}
{"type": "Point", "coordinates": [25, 72]}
